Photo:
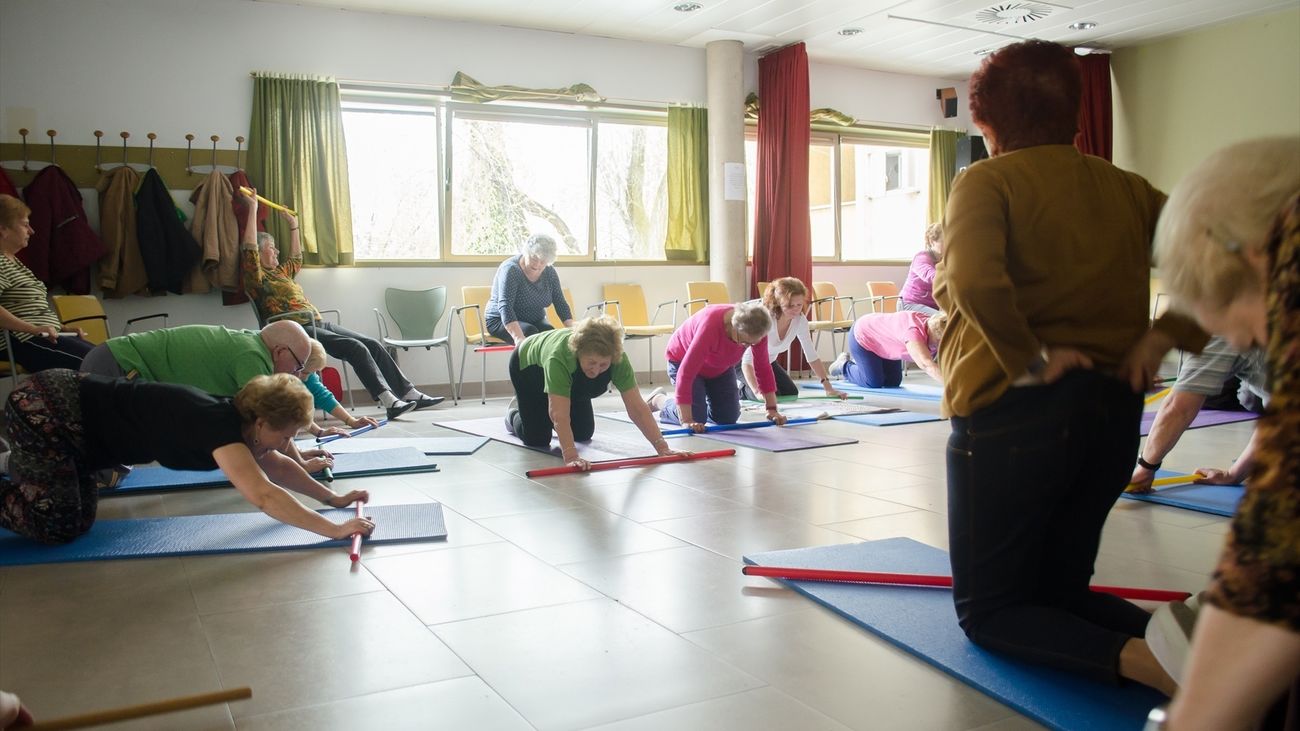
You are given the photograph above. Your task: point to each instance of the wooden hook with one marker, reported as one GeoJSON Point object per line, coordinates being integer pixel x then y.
{"type": "Point", "coordinates": [125, 136]}
{"type": "Point", "coordinates": [52, 134]}
{"type": "Point", "coordinates": [151, 137]}
{"type": "Point", "coordinates": [189, 150]}
{"type": "Point", "coordinates": [23, 132]}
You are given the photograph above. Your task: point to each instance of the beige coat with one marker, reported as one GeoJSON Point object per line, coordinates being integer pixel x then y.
{"type": "Point", "coordinates": [121, 270]}
{"type": "Point", "coordinates": [215, 228]}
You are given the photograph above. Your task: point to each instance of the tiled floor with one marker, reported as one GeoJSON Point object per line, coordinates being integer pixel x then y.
{"type": "Point", "coordinates": [612, 600]}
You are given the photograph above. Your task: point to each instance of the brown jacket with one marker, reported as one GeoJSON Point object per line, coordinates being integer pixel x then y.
{"type": "Point", "coordinates": [121, 271]}
{"type": "Point", "coordinates": [215, 228]}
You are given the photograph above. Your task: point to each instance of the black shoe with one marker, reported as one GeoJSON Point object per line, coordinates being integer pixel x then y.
{"type": "Point", "coordinates": [425, 402]}
{"type": "Point", "coordinates": [400, 407]}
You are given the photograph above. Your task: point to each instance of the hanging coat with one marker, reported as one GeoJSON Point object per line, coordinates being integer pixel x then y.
{"type": "Point", "coordinates": [168, 249]}
{"type": "Point", "coordinates": [215, 228]}
{"type": "Point", "coordinates": [121, 271]}
{"type": "Point", "coordinates": [238, 296]}
{"type": "Point", "coordinates": [7, 185]}
{"type": "Point", "coordinates": [64, 246]}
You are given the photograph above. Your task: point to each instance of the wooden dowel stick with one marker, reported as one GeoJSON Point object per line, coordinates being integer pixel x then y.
{"type": "Point", "coordinates": [269, 203]}
{"type": "Point", "coordinates": [355, 552]}
{"type": "Point", "coordinates": [615, 464]}
{"type": "Point", "coordinates": [879, 577]}
{"type": "Point", "coordinates": [113, 715]}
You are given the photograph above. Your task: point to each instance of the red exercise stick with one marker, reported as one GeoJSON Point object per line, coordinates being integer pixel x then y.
{"type": "Point", "coordinates": [493, 348]}
{"type": "Point", "coordinates": [355, 552]}
{"type": "Point", "coordinates": [615, 464]}
{"type": "Point", "coordinates": [876, 577]}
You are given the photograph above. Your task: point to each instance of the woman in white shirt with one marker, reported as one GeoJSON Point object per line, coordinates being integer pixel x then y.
{"type": "Point", "coordinates": [787, 299]}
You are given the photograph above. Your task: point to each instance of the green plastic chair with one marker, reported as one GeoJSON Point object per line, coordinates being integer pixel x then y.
{"type": "Point", "coordinates": [416, 313]}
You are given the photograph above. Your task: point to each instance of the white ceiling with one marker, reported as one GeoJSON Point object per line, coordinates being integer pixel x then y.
{"type": "Point", "coordinates": [926, 37]}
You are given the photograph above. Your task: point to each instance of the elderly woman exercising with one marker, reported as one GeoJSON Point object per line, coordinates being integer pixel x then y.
{"type": "Point", "coordinates": [524, 285]}
{"type": "Point", "coordinates": [64, 426]}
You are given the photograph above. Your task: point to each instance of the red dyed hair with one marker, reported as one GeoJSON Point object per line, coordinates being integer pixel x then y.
{"type": "Point", "coordinates": [1027, 94]}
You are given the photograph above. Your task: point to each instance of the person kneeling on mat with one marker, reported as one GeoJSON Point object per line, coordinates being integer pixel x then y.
{"type": "Point", "coordinates": [557, 373]}
{"type": "Point", "coordinates": [64, 426]}
{"type": "Point", "coordinates": [882, 339]}
{"type": "Point", "coordinates": [702, 359]}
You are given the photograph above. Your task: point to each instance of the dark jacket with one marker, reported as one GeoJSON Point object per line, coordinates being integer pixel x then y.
{"type": "Point", "coordinates": [63, 246]}
{"type": "Point", "coordinates": [168, 248]}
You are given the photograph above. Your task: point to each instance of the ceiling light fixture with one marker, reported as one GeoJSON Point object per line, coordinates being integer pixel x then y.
{"type": "Point", "coordinates": [687, 7]}
{"type": "Point", "coordinates": [1083, 25]}
{"type": "Point", "coordinates": [850, 31]}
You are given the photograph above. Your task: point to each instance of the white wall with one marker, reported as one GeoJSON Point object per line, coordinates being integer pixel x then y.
{"type": "Point", "coordinates": [181, 66]}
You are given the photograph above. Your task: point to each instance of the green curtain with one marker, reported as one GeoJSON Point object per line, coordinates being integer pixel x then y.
{"type": "Point", "coordinates": [465, 89]}
{"type": "Point", "coordinates": [943, 168]}
{"type": "Point", "coordinates": [297, 157]}
{"type": "Point", "coordinates": [688, 185]}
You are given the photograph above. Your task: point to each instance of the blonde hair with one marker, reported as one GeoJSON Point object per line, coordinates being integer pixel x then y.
{"type": "Point", "coordinates": [785, 288]}
{"type": "Point", "coordinates": [933, 235]}
{"type": "Point", "coordinates": [600, 336]}
{"type": "Point", "coordinates": [937, 325]}
{"type": "Point", "coordinates": [1227, 203]}
{"type": "Point", "coordinates": [12, 210]}
{"type": "Point", "coordinates": [315, 359]}
{"type": "Point", "coordinates": [751, 319]}
{"type": "Point", "coordinates": [280, 399]}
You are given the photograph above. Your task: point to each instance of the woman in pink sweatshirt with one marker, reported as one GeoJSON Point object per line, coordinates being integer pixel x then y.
{"type": "Point", "coordinates": [882, 340]}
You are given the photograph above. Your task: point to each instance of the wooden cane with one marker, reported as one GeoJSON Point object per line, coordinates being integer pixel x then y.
{"type": "Point", "coordinates": [113, 715]}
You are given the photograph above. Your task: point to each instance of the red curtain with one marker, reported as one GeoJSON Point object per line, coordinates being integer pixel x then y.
{"type": "Point", "coordinates": [782, 230]}
{"type": "Point", "coordinates": [1095, 134]}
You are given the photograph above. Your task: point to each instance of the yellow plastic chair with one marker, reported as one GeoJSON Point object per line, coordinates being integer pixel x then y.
{"type": "Point", "coordinates": [829, 313]}
{"type": "Point", "coordinates": [762, 287]}
{"type": "Point", "coordinates": [700, 294]}
{"type": "Point", "coordinates": [627, 303]}
{"type": "Point", "coordinates": [87, 312]}
{"type": "Point", "coordinates": [8, 366]}
{"type": "Point", "coordinates": [553, 317]}
{"type": "Point", "coordinates": [883, 296]}
{"type": "Point", "coordinates": [473, 324]}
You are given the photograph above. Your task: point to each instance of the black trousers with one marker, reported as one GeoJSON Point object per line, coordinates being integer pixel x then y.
{"type": "Point", "coordinates": [785, 385]}
{"type": "Point", "coordinates": [368, 357]}
{"type": "Point", "coordinates": [531, 422]}
{"type": "Point", "coordinates": [39, 354]}
{"type": "Point", "coordinates": [1031, 479]}
{"type": "Point", "coordinates": [497, 329]}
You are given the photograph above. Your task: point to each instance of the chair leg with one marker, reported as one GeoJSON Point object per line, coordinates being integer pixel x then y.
{"type": "Point", "coordinates": [451, 373]}
{"type": "Point", "coordinates": [650, 360]}
{"type": "Point", "coordinates": [460, 380]}
{"type": "Point", "coordinates": [483, 381]}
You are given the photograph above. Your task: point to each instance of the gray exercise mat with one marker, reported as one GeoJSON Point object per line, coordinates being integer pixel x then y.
{"type": "Point", "coordinates": [601, 448]}
{"type": "Point", "coordinates": [426, 445]}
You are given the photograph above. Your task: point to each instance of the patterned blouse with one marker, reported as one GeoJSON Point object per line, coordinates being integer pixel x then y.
{"type": "Point", "coordinates": [1258, 575]}
{"type": "Point", "coordinates": [274, 290]}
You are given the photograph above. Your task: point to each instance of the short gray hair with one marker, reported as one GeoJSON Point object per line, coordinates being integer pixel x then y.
{"type": "Point", "coordinates": [751, 319]}
{"type": "Point", "coordinates": [1228, 203]}
{"type": "Point", "coordinates": [265, 239]}
{"type": "Point", "coordinates": [540, 247]}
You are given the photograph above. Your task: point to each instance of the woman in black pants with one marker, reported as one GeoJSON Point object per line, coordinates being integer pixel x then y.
{"type": "Point", "coordinates": [557, 373]}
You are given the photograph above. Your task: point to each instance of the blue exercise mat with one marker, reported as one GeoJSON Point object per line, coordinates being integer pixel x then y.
{"type": "Point", "coordinates": [363, 464]}
{"type": "Point", "coordinates": [890, 419]}
{"type": "Point", "coordinates": [1212, 499]}
{"type": "Point", "coordinates": [923, 622]}
{"type": "Point", "coordinates": [920, 393]}
{"type": "Point", "coordinates": [196, 535]}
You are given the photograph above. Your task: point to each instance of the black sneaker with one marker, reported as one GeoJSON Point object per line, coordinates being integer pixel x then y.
{"type": "Point", "coordinates": [424, 402]}
{"type": "Point", "coordinates": [400, 407]}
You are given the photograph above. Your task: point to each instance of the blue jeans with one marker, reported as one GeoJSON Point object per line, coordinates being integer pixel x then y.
{"type": "Point", "coordinates": [1031, 480]}
{"type": "Point", "coordinates": [869, 370]}
{"type": "Point", "coordinates": [716, 399]}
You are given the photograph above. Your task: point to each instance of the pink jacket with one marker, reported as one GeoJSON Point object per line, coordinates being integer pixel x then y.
{"type": "Point", "coordinates": [700, 347]}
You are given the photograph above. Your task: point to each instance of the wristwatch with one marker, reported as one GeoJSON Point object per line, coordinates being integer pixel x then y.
{"type": "Point", "coordinates": [1148, 465]}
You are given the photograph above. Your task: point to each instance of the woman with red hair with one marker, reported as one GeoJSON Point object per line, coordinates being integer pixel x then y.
{"type": "Point", "coordinates": [1045, 278]}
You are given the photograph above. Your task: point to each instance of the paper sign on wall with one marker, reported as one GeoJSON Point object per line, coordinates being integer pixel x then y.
{"type": "Point", "coordinates": [733, 181]}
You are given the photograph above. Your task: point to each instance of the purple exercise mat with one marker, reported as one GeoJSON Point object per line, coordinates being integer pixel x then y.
{"type": "Point", "coordinates": [1207, 417]}
{"type": "Point", "coordinates": [779, 438]}
{"type": "Point", "coordinates": [599, 449]}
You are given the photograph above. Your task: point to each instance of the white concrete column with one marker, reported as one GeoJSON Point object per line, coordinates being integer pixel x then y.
{"type": "Point", "coordinates": [726, 98]}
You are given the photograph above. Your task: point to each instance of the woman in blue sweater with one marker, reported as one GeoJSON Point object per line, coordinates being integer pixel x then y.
{"type": "Point", "coordinates": [523, 287]}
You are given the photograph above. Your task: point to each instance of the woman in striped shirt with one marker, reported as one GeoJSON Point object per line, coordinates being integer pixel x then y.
{"type": "Point", "coordinates": [40, 340]}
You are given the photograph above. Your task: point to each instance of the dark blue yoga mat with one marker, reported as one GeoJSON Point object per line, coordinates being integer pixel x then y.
{"type": "Point", "coordinates": [923, 622]}
{"type": "Point", "coordinates": [1212, 499]}
{"type": "Point", "coordinates": [363, 464]}
{"type": "Point", "coordinates": [921, 393]}
{"type": "Point", "coordinates": [196, 535]}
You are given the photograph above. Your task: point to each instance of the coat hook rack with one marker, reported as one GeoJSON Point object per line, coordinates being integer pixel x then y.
{"type": "Point", "coordinates": [26, 164]}
{"type": "Point", "coordinates": [212, 166]}
{"type": "Point", "coordinates": [101, 166]}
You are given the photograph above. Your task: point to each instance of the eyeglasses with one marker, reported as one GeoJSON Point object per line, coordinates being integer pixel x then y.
{"type": "Point", "coordinates": [296, 360]}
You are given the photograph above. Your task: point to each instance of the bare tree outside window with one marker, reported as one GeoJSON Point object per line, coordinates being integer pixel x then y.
{"type": "Point", "coordinates": [631, 191]}
{"type": "Point", "coordinates": [393, 169]}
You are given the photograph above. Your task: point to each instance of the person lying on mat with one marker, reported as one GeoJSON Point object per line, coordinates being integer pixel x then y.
{"type": "Point", "coordinates": [1201, 377]}
{"type": "Point", "coordinates": [557, 373]}
{"type": "Point", "coordinates": [63, 426]}
{"type": "Point", "coordinates": [1228, 244]}
{"type": "Point", "coordinates": [210, 358]}
{"type": "Point", "coordinates": [274, 290]}
{"type": "Point", "coordinates": [917, 288]}
{"type": "Point", "coordinates": [786, 299]}
{"type": "Point", "coordinates": [524, 285]}
{"type": "Point", "coordinates": [881, 340]}
{"type": "Point", "coordinates": [702, 358]}
{"type": "Point", "coordinates": [324, 400]}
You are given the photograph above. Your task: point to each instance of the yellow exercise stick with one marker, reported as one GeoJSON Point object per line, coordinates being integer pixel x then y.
{"type": "Point", "coordinates": [1167, 481]}
{"type": "Point", "coordinates": [272, 204]}
{"type": "Point", "coordinates": [1155, 396]}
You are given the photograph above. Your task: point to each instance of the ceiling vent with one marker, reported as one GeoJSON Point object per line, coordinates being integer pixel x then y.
{"type": "Point", "coordinates": [1013, 13]}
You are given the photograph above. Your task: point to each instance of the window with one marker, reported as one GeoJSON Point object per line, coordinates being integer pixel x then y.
{"type": "Point", "coordinates": [393, 174]}
{"type": "Point", "coordinates": [631, 191]}
{"type": "Point", "coordinates": [884, 196]}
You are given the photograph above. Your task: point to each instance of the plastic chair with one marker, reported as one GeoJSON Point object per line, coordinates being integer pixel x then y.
{"type": "Point", "coordinates": [705, 293]}
{"type": "Point", "coordinates": [553, 317]}
{"type": "Point", "coordinates": [762, 287]}
{"type": "Point", "coordinates": [87, 312]}
{"type": "Point", "coordinates": [828, 313]}
{"type": "Point", "coordinates": [8, 366]}
{"type": "Point", "coordinates": [474, 327]}
{"type": "Point", "coordinates": [628, 304]}
{"type": "Point", "coordinates": [883, 296]}
{"type": "Point", "coordinates": [416, 314]}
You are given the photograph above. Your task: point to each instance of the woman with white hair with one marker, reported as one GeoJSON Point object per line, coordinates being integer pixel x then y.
{"type": "Point", "coordinates": [1228, 247]}
{"type": "Point", "coordinates": [702, 357]}
{"type": "Point", "coordinates": [522, 288]}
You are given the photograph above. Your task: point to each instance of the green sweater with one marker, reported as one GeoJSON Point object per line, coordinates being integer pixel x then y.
{"type": "Point", "coordinates": [550, 350]}
{"type": "Point", "coordinates": [208, 357]}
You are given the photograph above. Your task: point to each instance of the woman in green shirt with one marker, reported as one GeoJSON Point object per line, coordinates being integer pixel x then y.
{"type": "Point", "coordinates": [557, 373]}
